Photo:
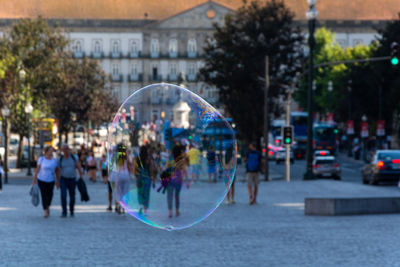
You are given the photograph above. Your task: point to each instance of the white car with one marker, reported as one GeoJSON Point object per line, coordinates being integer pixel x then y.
{"type": "Point", "coordinates": [280, 155]}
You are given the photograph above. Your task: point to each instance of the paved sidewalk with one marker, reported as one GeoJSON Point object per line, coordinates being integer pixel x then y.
{"type": "Point", "coordinates": [274, 232]}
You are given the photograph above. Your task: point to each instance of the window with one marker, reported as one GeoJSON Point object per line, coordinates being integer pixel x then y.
{"type": "Point", "coordinates": [115, 70]}
{"type": "Point", "coordinates": [154, 72]}
{"type": "Point", "coordinates": [97, 50]}
{"type": "Point", "coordinates": [133, 76]}
{"type": "Point", "coordinates": [192, 48]}
{"type": "Point", "coordinates": [172, 72]}
{"type": "Point", "coordinates": [77, 46]}
{"type": "Point", "coordinates": [173, 48]}
{"type": "Point", "coordinates": [134, 69]}
{"type": "Point", "coordinates": [97, 46]}
{"type": "Point", "coordinates": [77, 49]}
{"type": "Point", "coordinates": [172, 69]}
{"type": "Point", "coordinates": [191, 72]}
{"type": "Point", "coordinates": [115, 47]}
{"type": "Point", "coordinates": [154, 48]}
{"type": "Point", "coordinates": [133, 48]}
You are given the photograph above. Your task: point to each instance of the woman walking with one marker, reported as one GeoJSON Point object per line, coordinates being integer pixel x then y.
{"type": "Point", "coordinates": [92, 166]}
{"type": "Point", "coordinates": [144, 171]}
{"type": "Point", "coordinates": [174, 187]}
{"type": "Point", "coordinates": [121, 176]}
{"type": "Point", "coordinates": [46, 174]}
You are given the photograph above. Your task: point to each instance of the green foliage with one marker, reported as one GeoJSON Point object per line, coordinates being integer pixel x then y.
{"type": "Point", "coordinates": [235, 61]}
{"type": "Point", "coordinates": [328, 50]}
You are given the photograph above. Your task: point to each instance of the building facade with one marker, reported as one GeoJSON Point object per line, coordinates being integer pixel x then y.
{"type": "Point", "coordinates": [138, 50]}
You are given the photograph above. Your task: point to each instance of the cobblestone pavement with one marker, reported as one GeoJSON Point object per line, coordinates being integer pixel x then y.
{"type": "Point", "coordinates": [274, 232]}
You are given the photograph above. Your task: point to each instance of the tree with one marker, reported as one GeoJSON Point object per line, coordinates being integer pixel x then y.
{"type": "Point", "coordinates": [235, 61]}
{"type": "Point", "coordinates": [376, 86]}
{"type": "Point", "coordinates": [80, 89]}
{"type": "Point", "coordinates": [34, 46]}
{"type": "Point", "coordinates": [328, 50]}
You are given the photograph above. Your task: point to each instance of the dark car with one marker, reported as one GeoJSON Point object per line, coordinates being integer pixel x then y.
{"type": "Point", "coordinates": [383, 167]}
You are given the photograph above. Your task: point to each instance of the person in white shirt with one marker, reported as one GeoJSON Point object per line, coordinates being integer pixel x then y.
{"type": "Point", "coordinates": [46, 175]}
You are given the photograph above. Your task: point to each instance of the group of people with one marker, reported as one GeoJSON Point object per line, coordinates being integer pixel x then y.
{"type": "Point", "coordinates": [59, 172]}
{"type": "Point", "coordinates": [146, 166]}
{"type": "Point", "coordinates": [172, 168]}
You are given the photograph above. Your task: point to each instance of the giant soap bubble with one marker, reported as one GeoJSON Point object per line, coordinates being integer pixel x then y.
{"type": "Point", "coordinates": [172, 156]}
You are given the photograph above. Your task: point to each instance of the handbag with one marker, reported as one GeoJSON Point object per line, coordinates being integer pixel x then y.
{"type": "Point", "coordinates": [83, 190]}
{"type": "Point", "coordinates": [34, 192]}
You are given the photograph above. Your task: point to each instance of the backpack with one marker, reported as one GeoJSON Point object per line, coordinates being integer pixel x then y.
{"type": "Point", "coordinates": [61, 159]}
{"type": "Point", "coordinates": [253, 161]}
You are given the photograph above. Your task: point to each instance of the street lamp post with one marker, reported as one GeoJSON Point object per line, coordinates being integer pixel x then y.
{"type": "Point", "coordinates": [311, 15]}
{"type": "Point", "coordinates": [330, 89]}
{"type": "Point", "coordinates": [5, 112]}
{"type": "Point", "coordinates": [349, 139]}
{"type": "Point", "coordinates": [28, 111]}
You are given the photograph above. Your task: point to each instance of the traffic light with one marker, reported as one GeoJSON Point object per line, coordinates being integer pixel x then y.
{"type": "Point", "coordinates": [287, 135]}
{"type": "Point", "coordinates": [335, 131]}
{"type": "Point", "coordinates": [394, 54]}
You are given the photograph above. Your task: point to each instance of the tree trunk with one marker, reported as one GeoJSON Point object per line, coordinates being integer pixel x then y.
{"type": "Point", "coordinates": [66, 136]}
{"type": "Point", "coordinates": [59, 139]}
{"type": "Point", "coordinates": [20, 150]}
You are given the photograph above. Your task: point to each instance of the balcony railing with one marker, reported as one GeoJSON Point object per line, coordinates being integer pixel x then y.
{"type": "Point", "coordinates": [191, 54]}
{"type": "Point", "coordinates": [173, 54]}
{"type": "Point", "coordinates": [138, 77]}
{"type": "Point", "coordinates": [97, 55]}
{"type": "Point", "coordinates": [78, 54]}
{"type": "Point", "coordinates": [115, 54]}
{"type": "Point", "coordinates": [154, 54]}
{"type": "Point", "coordinates": [135, 54]}
{"type": "Point", "coordinates": [191, 77]}
{"type": "Point", "coordinates": [172, 77]}
{"type": "Point", "coordinates": [155, 78]}
{"type": "Point", "coordinates": [116, 78]}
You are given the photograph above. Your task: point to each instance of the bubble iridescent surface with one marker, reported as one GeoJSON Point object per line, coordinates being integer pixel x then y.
{"type": "Point", "coordinates": [171, 156]}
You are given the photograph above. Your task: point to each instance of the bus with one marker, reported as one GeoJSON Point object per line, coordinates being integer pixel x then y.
{"type": "Point", "coordinates": [218, 134]}
{"type": "Point", "coordinates": [45, 131]}
{"type": "Point", "coordinates": [324, 137]}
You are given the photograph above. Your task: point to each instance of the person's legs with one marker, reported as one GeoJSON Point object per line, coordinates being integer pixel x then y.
{"type": "Point", "coordinates": [43, 194]}
{"type": "Point", "coordinates": [177, 200]}
{"type": "Point", "coordinates": [146, 194]}
{"type": "Point", "coordinates": [1, 182]}
{"type": "Point", "coordinates": [233, 192]}
{"type": "Point", "coordinates": [63, 188]}
{"type": "Point", "coordinates": [249, 178]}
{"type": "Point", "coordinates": [109, 196]}
{"type": "Point", "coordinates": [71, 189]}
{"type": "Point", "coordinates": [170, 190]}
{"type": "Point", "coordinates": [255, 193]}
{"type": "Point", "coordinates": [50, 193]}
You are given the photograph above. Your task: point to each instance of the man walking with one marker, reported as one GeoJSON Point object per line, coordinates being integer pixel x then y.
{"type": "Point", "coordinates": [68, 164]}
{"type": "Point", "coordinates": [253, 166]}
{"type": "Point", "coordinates": [194, 162]}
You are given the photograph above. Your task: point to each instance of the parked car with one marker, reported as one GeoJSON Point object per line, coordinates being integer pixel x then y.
{"type": "Point", "coordinates": [384, 166]}
{"type": "Point", "coordinates": [280, 155]}
{"type": "Point", "coordinates": [326, 166]}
